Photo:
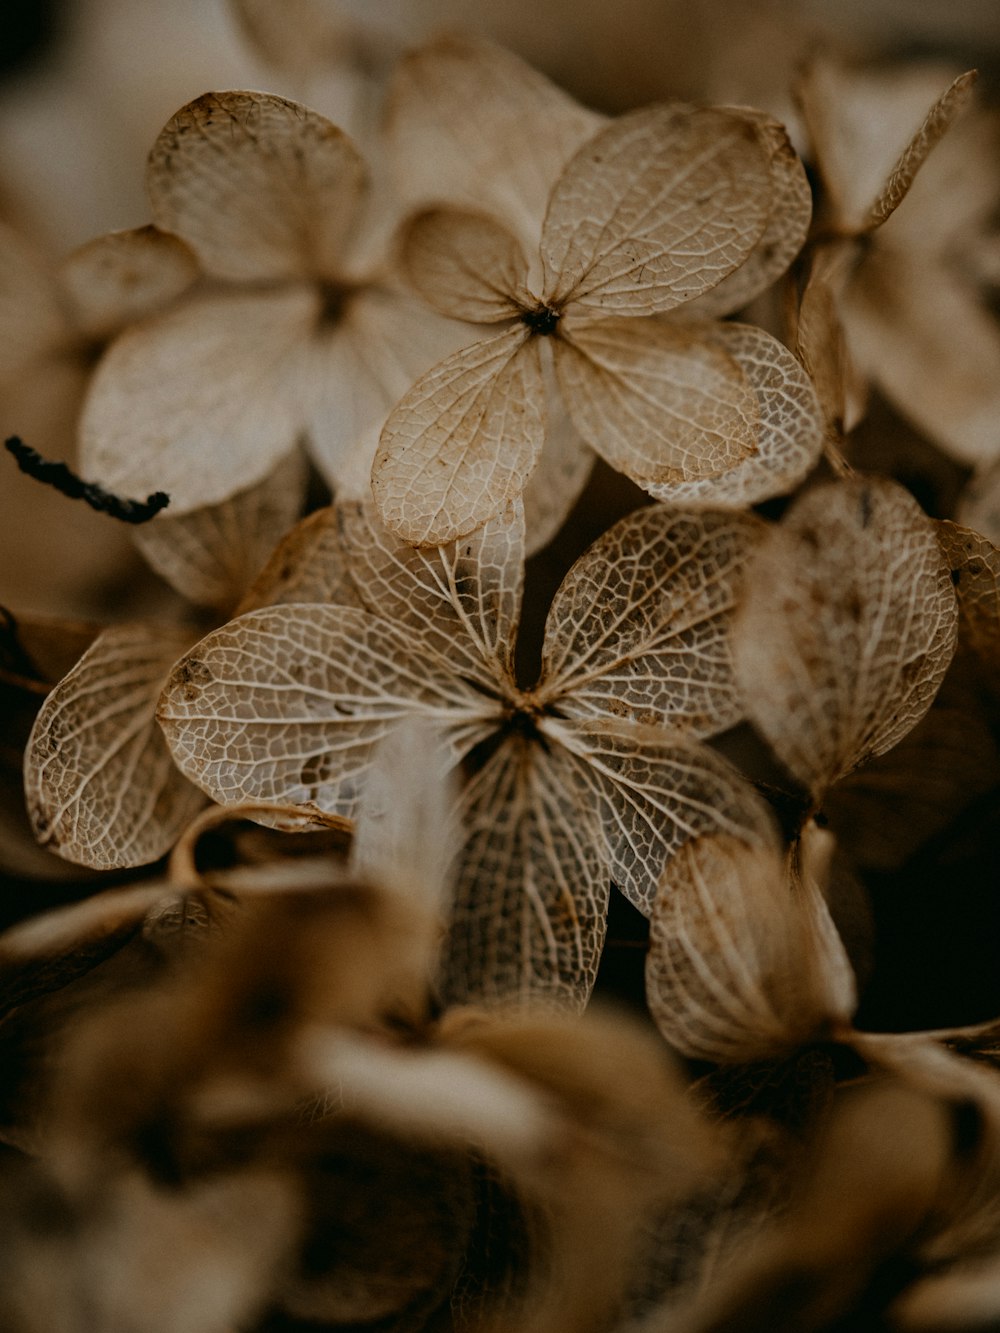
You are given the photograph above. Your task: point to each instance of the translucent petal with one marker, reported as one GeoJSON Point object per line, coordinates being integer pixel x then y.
{"type": "Point", "coordinates": [975, 565]}
{"type": "Point", "coordinates": [99, 782]}
{"type": "Point", "coordinates": [259, 187]}
{"type": "Point", "coordinates": [660, 402]}
{"type": "Point", "coordinates": [654, 210]}
{"type": "Point", "coordinates": [744, 963]}
{"type": "Point", "coordinates": [790, 433]}
{"type": "Point", "coordinates": [640, 626]}
{"type": "Point", "coordinates": [462, 443]}
{"type": "Point", "coordinates": [464, 264]}
{"type": "Point", "coordinates": [202, 401]}
{"type": "Point", "coordinates": [532, 883]}
{"type": "Point", "coordinates": [560, 477]}
{"type": "Point", "coordinates": [285, 704]}
{"type": "Point", "coordinates": [654, 789]}
{"type": "Point", "coordinates": [847, 627]}
{"type": "Point", "coordinates": [307, 565]}
{"type": "Point", "coordinates": [125, 276]}
{"type": "Point", "coordinates": [210, 555]}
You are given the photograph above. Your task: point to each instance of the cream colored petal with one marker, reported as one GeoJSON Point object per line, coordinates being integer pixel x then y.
{"type": "Point", "coordinates": [202, 401]}
{"type": "Point", "coordinates": [787, 224]}
{"type": "Point", "coordinates": [935, 124]}
{"type": "Point", "coordinates": [655, 789]}
{"type": "Point", "coordinates": [562, 473]}
{"type": "Point", "coordinates": [463, 599]}
{"type": "Point", "coordinates": [359, 367]}
{"type": "Point", "coordinates": [532, 883]}
{"type": "Point", "coordinates": [472, 125]}
{"type": "Point", "coordinates": [847, 627]}
{"type": "Point", "coordinates": [462, 443]}
{"type": "Point", "coordinates": [640, 626]}
{"type": "Point", "coordinates": [99, 782]}
{"type": "Point", "coordinates": [307, 565]}
{"type": "Point", "coordinates": [922, 334]}
{"type": "Point", "coordinates": [744, 963]}
{"type": "Point", "coordinates": [790, 432]}
{"type": "Point", "coordinates": [261, 188]}
{"type": "Point", "coordinates": [124, 276]}
{"type": "Point", "coordinates": [654, 210]}
{"type": "Point", "coordinates": [658, 401]}
{"type": "Point", "coordinates": [295, 36]}
{"type": "Point", "coordinates": [975, 571]}
{"type": "Point", "coordinates": [33, 320]}
{"type": "Point", "coordinates": [819, 335]}
{"type": "Point", "coordinates": [465, 264]}
{"type": "Point", "coordinates": [210, 555]}
{"type": "Point", "coordinates": [285, 704]}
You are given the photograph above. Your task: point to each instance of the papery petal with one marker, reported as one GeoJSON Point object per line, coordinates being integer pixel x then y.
{"type": "Point", "coordinates": [200, 402]}
{"type": "Point", "coordinates": [473, 125]}
{"type": "Point", "coordinates": [466, 265]}
{"type": "Point", "coordinates": [975, 570]}
{"type": "Point", "coordinates": [124, 276]}
{"type": "Point", "coordinates": [532, 883]}
{"type": "Point", "coordinates": [787, 224]}
{"type": "Point", "coordinates": [655, 789]}
{"type": "Point", "coordinates": [847, 627]}
{"type": "Point", "coordinates": [560, 477]}
{"type": "Point", "coordinates": [655, 210]}
{"type": "Point", "coordinates": [285, 704]}
{"type": "Point", "coordinates": [308, 565]}
{"type": "Point", "coordinates": [979, 503]}
{"type": "Point", "coordinates": [659, 401]}
{"type": "Point", "coordinates": [640, 626]}
{"type": "Point", "coordinates": [790, 431]}
{"type": "Point", "coordinates": [99, 782]}
{"type": "Point", "coordinates": [462, 443]}
{"type": "Point", "coordinates": [33, 320]}
{"type": "Point", "coordinates": [210, 555]}
{"type": "Point", "coordinates": [259, 187]}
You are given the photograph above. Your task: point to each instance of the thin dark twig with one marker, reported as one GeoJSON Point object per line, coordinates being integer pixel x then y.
{"type": "Point", "coordinates": [66, 481]}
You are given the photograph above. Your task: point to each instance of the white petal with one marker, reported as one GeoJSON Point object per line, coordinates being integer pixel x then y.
{"type": "Point", "coordinates": [125, 276]}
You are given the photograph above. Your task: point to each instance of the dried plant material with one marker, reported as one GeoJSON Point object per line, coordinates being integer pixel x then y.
{"type": "Point", "coordinates": [820, 343]}
{"type": "Point", "coordinates": [979, 503]}
{"type": "Point", "coordinates": [211, 555]}
{"type": "Point", "coordinates": [125, 276]}
{"type": "Point", "coordinates": [81, 925]}
{"type": "Point", "coordinates": [745, 962]}
{"type": "Point", "coordinates": [66, 482]}
{"type": "Point", "coordinates": [964, 1296]}
{"type": "Point", "coordinates": [847, 627]}
{"type": "Point", "coordinates": [650, 213]}
{"type": "Point", "coordinates": [303, 339]}
{"type": "Point", "coordinates": [307, 565]}
{"type": "Point", "coordinates": [975, 570]}
{"type": "Point", "coordinates": [99, 781]}
{"type": "Point", "coordinates": [595, 772]}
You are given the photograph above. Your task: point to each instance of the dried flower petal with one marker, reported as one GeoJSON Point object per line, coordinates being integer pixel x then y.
{"type": "Point", "coordinates": [465, 265]}
{"type": "Point", "coordinates": [124, 276]}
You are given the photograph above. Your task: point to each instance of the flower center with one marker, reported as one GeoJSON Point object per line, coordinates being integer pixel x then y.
{"type": "Point", "coordinates": [335, 297]}
{"type": "Point", "coordinates": [542, 319]}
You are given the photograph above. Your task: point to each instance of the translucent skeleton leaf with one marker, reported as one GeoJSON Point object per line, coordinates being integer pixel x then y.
{"type": "Point", "coordinates": [653, 211]}
{"type": "Point", "coordinates": [975, 570]}
{"type": "Point", "coordinates": [847, 627]}
{"type": "Point", "coordinates": [100, 785]}
{"type": "Point", "coordinates": [596, 773]}
{"type": "Point", "coordinates": [745, 962]}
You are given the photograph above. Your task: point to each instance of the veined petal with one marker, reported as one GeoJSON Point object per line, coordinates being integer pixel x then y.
{"type": "Point", "coordinates": [125, 276]}
{"type": "Point", "coordinates": [640, 626]}
{"type": "Point", "coordinates": [99, 781]}
{"type": "Point", "coordinates": [462, 443]}
{"type": "Point", "coordinates": [465, 265]}
{"type": "Point", "coordinates": [655, 210]}
{"type": "Point", "coordinates": [660, 402]}
{"type": "Point", "coordinates": [560, 477]}
{"type": "Point", "coordinates": [285, 704]}
{"type": "Point", "coordinates": [259, 187]}
{"type": "Point", "coordinates": [202, 401]}
{"type": "Point", "coordinates": [532, 883]}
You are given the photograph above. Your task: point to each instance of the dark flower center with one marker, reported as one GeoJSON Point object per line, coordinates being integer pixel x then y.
{"type": "Point", "coordinates": [541, 320]}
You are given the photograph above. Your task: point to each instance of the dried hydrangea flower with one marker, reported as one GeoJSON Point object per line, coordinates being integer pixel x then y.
{"type": "Point", "coordinates": [289, 340]}
{"type": "Point", "coordinates": [591, 775]}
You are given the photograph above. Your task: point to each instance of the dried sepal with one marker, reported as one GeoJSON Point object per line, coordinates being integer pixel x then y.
{"type": "Point", "coordinates": [210, 555]}
{"type": "Point", "coordinates": [99, 781]}
{"type": "Point", "coordinates": [464, 264]}
{"type": "Point", "coordinates": [974, 562]}
{"type": "Point", "coordinates": [819, 335]}
{"type": "Point", "coordinates": [847, 627]}
{"type": "Point", "coordinates": [647, 605]}
{"type": "Point", "coordinates": [462, 442]}
{"type": "Point", "coordinates": [653, 211]}
{"type": "Point", "coordinates": [125, 276]}
{"type": "Point", "coordinates": [259, 187]}
{"type": "Point", "coordinates": [307, 565]}
{"type": "Point", "coordinates": [789, 432]}
{"type": "Point", "coordinates": [979, 503]}
{"type": "Point", "coordinates": [657, 400]}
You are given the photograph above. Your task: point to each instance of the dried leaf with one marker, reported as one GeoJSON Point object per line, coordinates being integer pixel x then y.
{"type": "Point", "coordinates": [462, 443]}
{"type": "Point", "coordinates": [465, 265]}
{"type": "Point", "coordinates": [655, 210]}
{"type": "Point", "coordinates": [975, 571]}
{"type": "Point", "coordinates": [639, 627]}
{"type": "Point", "coordinates": [224, 368]}
{"type": "Point", "coordinates": [259, 187]}
{"type": "Point", "coordinates": [124, 276]}
{"type": "Point", "coordinates": [99, 782]}
{"type": "Point", "coordinates": [847, 627]}
{"type": "Point", "coordinates": [790, 431]}
{"type": "Point", "coordinates": [657, 400]}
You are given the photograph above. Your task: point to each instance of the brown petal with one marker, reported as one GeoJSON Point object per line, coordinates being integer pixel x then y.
{"type": "Point", "coordinates": [465, 264]}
